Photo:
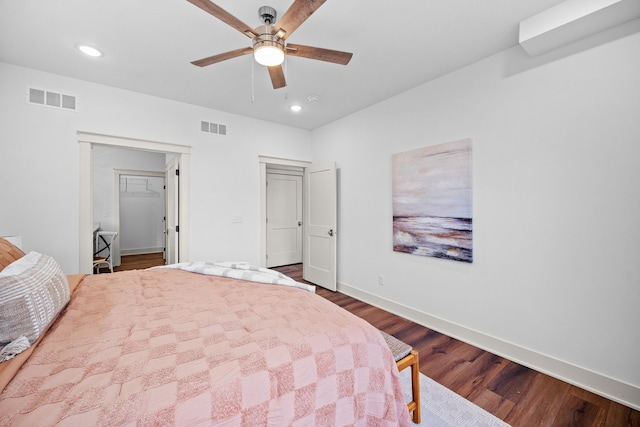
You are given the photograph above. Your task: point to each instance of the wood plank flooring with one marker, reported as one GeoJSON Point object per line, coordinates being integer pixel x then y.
{"type": "Point", "coordinates": [138, 262]}
{"type": "Point", "coordinates": [516, 394]}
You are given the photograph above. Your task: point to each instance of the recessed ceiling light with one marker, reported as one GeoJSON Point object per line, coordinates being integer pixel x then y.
{"type": "Point", "coordinates": [296, 108]}
{"type": "Point", "coordinates": [88, 50]}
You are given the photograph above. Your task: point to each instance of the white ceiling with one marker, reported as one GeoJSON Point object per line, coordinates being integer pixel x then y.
{"type": "Point", "coordinates": [148, 46]}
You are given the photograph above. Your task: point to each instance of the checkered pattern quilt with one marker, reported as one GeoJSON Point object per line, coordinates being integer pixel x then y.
{"type": "Point", "coordinates": [169, 347]}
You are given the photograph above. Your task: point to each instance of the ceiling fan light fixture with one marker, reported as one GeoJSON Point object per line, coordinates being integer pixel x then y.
{"type": "Point", "coordinates": [268, 55]}
{"type": "Point", "coordinates": [268, 50]}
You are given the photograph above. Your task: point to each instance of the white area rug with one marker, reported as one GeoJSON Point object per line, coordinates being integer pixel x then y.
{"type": "Point", "coordinates": [440, 407]}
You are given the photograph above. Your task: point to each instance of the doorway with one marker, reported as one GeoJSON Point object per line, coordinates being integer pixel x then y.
{"type": "Point", "coordinates": [319, 213]}
{"type": "Point", "coordinates": [284, 216]}
{"type": "Point", "coordinates": [86, 143]}
{"type": "Point", "coordinates": [273, 165]}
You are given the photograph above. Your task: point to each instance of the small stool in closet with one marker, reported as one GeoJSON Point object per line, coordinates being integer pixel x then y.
{"type": "Point", "coordinates": [406, 356]}
{"type": "Point", "coordinates": [107, 237]}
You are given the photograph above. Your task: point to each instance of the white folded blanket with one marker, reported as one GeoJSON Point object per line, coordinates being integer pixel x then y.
{"type": "Point", "coordinates": [242, 271]}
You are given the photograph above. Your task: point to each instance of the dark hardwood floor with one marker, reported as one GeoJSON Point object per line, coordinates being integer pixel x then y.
{"type": "Point", "coordinates": [137, 262]}
{"type": "Point", "coordinates": [516, 394]}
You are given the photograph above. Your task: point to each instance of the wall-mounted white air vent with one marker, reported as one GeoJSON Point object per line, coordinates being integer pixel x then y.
{"type": "Point", "coordinates": [52, 99]}
{"type": "Point", "coordinates": [573, 20]}
{"type": "Point", "coordinates": [216, 128]}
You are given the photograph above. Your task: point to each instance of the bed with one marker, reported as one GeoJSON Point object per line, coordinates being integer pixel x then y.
{"type": "Point", "coordinates": [179, 346]}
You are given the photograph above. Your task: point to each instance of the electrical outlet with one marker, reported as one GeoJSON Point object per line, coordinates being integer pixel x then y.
{"type": "Point", "coordinates": [380, 280]}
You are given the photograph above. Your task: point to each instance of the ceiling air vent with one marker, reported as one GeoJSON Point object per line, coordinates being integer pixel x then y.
{"type": "Point", "coordinates": [52, 99]}
{"type": "Point", "coordinates": [216, 128]}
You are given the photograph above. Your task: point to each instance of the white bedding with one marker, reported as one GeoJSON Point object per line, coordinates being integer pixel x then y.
{"type": "Point", "coordinates": [240, 270]}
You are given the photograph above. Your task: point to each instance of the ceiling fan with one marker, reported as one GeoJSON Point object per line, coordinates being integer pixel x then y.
{"type": "Point", "coordinates": [269, 40]}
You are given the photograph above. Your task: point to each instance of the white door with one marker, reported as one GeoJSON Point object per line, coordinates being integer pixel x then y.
{"type": "Point", "coordinates": [284, 219]}
{"type": "Point", "coordinates": [172, 236]}
{"type": "Point", "coordinates": [320, 217]}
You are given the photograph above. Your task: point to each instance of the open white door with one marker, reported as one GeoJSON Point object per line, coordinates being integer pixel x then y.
{"type": "Point", "coordinates": [320, 213]}
{"type": "Point", "coordinates": [284, 219]}
{"type": "Point", "coordinates": [172, 236]}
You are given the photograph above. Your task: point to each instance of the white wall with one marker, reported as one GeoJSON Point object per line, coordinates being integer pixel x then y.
{"type": "Point", "coordinates": [39, 151]}
{"type": "Point", "coordinates": [556, 270]}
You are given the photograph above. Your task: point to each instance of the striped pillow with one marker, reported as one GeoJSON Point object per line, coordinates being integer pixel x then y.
{"type": "Point", "coordinates": [33, 290]}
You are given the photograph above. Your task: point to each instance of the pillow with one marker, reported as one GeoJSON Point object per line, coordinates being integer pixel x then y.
{"type": "Point", "coordinates": [8, 253]}
{"type": "Point", "coordinates": [33, 290]}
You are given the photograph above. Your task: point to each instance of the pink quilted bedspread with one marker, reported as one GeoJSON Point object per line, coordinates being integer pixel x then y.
{"type": "Point", "coordinates": [169, 347]}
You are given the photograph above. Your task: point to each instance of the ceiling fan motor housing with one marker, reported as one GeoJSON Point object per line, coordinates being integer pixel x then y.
{"type": "Point", "coordinates": [266, 37]}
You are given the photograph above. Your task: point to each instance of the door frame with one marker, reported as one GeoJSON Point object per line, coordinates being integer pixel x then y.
{"type": "Point", "coordinates": [271, 161]}
{"type": "Point", "coordinates": [86, 142]}
{"type": "Point", "coordinates": [171, 211]}
{"type": "Point", "coordinates": [116, 203]}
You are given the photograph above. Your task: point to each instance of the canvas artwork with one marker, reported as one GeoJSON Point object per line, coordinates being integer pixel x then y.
{"type": "Point", "coordinates": [432, 201]}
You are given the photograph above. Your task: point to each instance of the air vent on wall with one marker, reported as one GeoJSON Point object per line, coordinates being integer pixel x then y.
{"type": "Point", "coordinates": [216, 128]}
{"type": "Point", "coordinates": [52, 99]}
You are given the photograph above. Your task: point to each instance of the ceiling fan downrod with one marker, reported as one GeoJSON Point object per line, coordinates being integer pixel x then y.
{"type": "Point", "coordinates": [267, 15]}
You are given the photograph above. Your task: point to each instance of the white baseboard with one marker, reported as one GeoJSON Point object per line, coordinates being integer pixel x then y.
{"type": "Point", "coordinates": [621, 392]}
{"type": "Point", "coordinates": [140, 251]}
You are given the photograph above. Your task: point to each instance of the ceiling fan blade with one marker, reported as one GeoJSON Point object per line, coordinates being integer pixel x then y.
{"type": "Point", "coordinates": [224, 16]}
{"type": "Point", "coordinates": [299, 11]}
{"type": "Point", "coordinates": [222, 57]}
{"type": "Point", "coordinates": [277, 76]}
{"type": "Point", "coordinates": [328, 55]}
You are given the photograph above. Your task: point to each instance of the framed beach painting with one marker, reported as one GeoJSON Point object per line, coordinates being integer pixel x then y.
{"type": "Point", "coordinates": [432, 201]}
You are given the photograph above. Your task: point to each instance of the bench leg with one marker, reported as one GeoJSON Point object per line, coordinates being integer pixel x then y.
{"type": "Point", "coordinates": [411, 360]}
{"type": "Point", "coordinates": [415, 386]}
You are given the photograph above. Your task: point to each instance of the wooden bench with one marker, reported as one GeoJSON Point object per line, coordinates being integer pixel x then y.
{"type": "Point", "coordinates": [406, 356]}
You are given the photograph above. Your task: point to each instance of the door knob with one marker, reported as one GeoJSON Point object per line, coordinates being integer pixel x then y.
{"type": "Point", "coordinates": [299, 223]}
{"type": "Point", "coordinates": [330, 232]}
